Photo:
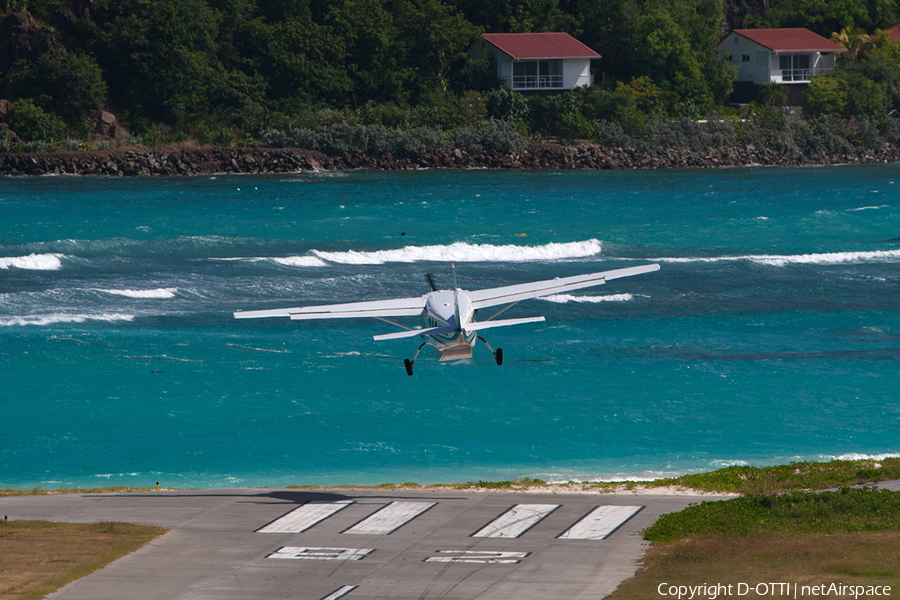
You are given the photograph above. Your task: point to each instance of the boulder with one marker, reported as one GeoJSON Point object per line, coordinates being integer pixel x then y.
{"type": "Point", "coordinates": [23, 37]}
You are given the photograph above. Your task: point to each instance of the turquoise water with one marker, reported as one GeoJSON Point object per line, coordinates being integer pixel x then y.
{"type": "Point", "coordinates": [770, 333]}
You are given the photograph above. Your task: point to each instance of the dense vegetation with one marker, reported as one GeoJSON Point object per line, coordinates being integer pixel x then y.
{"type": "Point", "coordinates": [849, 509]}
{"type": "Point", "coordinates": [252, 71]}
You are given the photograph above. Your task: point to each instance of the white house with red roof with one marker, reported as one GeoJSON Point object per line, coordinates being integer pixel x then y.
{"type": "Point", "coordinates": [778, 55]}
{"type": "Point", "coordinates": [538, 61]}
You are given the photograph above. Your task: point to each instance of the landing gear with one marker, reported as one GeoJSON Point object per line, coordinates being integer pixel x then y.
{"type": "Point", "coordinates": [498, 355]}
{"type": "Point", "coordinates": [409, 363]}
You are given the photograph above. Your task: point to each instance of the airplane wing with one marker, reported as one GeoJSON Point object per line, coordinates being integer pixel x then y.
{"type": "Point", "coordinates": [397, 307]}
{"type": "Point", "coordinates": [537, 289]}
{"type": "Point", "coordinates": [478, 326]}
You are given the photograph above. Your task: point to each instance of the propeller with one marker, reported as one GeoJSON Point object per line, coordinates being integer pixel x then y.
{"type": "Point", "coordinates": [430, 279]}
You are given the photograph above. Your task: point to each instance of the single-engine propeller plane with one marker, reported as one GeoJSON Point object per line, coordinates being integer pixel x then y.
{"type": "Point", "coordinates": [450, 324]}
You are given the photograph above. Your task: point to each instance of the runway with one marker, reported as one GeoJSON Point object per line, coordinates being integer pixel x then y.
{"type": "Point", "coordinates": [362, 544]}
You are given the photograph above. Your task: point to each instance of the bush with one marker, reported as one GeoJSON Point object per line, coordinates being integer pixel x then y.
{"type": "Point", "coordinates": [343, 139]}
{"type": "Point", "coordinates": [499, 136]}
{"type": "Point", "coordinates": [849, 509]}
{"type": "Point", "coordinates": [67, 84]}
{"type": "Point", "coordinates": [506, 105]}
{"type": "Point", "coordinates": [31, 123]}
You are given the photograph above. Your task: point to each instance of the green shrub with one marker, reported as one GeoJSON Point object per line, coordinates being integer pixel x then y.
{"type": "Point", "coordinates": [849, 509]}
{"type": "Point", "coordinates": [500, 136]}
{"type": "Point", "coordinates": [67, 84]}
{"type": "Point", "coordinates": [506, 105]}
{"type": "Point", "coordinates": [33, 124]}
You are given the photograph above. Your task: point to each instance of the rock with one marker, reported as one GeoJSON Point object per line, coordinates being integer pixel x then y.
{"type": "Point", "coordinates": [6, 108]}
{"type": "Point", "coordinates": [22, 37]}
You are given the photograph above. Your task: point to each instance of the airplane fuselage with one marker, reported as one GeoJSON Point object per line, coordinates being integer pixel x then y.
{"type": "Point", "coordinates": [451, 308]}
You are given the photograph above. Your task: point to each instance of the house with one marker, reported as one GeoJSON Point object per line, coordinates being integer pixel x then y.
{"type": "Point", "coordinates": [535, 62]}
{"type": "Point", "coordinates": [784, 56]}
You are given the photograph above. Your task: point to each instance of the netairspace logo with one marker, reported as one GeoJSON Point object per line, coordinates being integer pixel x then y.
{"type": "Point", "coordinates": [786, 590]}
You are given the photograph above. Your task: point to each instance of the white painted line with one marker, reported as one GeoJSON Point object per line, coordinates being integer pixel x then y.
{"type": "Point", "coordinates": [478, 557]}
{"type": "Point", "coordinates": [339, 593]}
{"type": "Point", "coordinates": [516, 521]}
{"type": "Point", "coordinates": [390, 518]}
{"type": "Point", "coordinates": [600, 522]}
{"type": "Point", "coordinates": [302, 518]}
{"type": "Point", "coordinates": [304, 553]}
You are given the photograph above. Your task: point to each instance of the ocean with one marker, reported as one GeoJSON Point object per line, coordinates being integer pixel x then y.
{"type": "Point", "coordinates": [770, 333]}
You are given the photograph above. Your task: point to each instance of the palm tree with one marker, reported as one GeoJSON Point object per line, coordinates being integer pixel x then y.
{"type": "Point", "coordinates": [855, 40]}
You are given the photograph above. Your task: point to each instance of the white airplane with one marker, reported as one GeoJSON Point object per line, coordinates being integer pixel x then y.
{"type": "Point", "coordinates": [450, 324]}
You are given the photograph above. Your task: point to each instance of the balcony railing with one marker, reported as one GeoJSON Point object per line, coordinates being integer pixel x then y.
{"type": "Point", "coordinates": [797, 75]}
{"type": "Point", "coordinates": [533, 82]}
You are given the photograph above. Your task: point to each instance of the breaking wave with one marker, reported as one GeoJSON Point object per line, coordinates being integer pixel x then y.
{"type": "Point", "coordinates": [563, 298]}
{"type": "Point", "coordinates": [301, 261]}
{"type": "Point", "coordinates": [828, 258]}
{"type": "Point", "coordinates": [62, 318]}
{"type": "Point", "coordinates": [857, 456]}
{"type": "Point", "coordinates": [161, 293]}
{"type": "Point", "coordinates": [33, 262]}
{"type": "Point", "coordinates": [463, 252]}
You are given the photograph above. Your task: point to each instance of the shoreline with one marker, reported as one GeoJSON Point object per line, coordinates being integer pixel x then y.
{"type": "Point", "coordinates": [189, 161]}
{"type": "Point", "coordinates": [581, 488]}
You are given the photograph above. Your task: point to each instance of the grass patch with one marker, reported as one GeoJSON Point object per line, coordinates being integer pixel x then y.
{"type": "Point", "coordinates": [859, 558]}
{"type": "Point", "coordinates": [518, 484]}
{"type": "Point", "coordinates": [39, 557]}
{"type": "Point", "coordinates": [39, 491]}
{"type": "Point", "coordinates": [795, 476]}
{"type": "Point", "coordinates": [848, 510]}
{"type": "Point", "coordinates": [847, 537]}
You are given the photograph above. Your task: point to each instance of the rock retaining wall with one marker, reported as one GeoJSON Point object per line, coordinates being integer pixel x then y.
{"type": "Point", "coordinates": [208, 161]}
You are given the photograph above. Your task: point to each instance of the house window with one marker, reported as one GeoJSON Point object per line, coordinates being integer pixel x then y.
{"type": "Point", "coordinates": [794, 67]}
{"type": "Point", "coordinates": [745, 58]}
{"type": "Point", "coordinates": [536, 74]}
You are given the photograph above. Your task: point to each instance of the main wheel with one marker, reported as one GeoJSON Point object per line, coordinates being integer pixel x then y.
{"type": "Point", "coordinates": [408, 364]}
{"type": "Point", "coordinates": [498, 356]}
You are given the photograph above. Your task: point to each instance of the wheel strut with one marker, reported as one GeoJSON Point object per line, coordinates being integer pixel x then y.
{"type": "Point", "coordinates": [409, 363]}
{"type": "Point", "coordinates": [498, 355]}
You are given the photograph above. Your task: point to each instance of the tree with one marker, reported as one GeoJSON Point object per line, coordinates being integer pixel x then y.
{"type": "Point", "coordinates": [68, 84]}
{"type": "Point", "coordinates": [855, 40]}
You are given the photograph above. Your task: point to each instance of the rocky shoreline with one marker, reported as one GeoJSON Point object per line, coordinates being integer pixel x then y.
{"type": "Point", "coordinates": [212, 161]}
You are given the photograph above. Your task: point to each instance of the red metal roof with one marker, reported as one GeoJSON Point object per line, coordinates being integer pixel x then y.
{"type": "Point", "coordinates": [539, 45]}
{"type": "Point", "coordinates": [797, 39]}
{"type": "Point", "coordinates": [894, 32]}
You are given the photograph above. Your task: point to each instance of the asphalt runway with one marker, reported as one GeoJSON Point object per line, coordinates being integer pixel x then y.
{"type": "Point", "coordinates": [362, 544]}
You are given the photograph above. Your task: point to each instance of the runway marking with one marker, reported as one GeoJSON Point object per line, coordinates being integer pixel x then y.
{"type": "Point", "coordinates": [516, 521]}
{"type": "Point", "coordinates": [304, 553]}
{"type": "Point", "coordinates": [302, 518]}
{"type": "Point", "coordinates": [477, 556]}
{"type": "Point", "coordinates": [341, 592]}
{"type": "Point", "coordinates": [390, 518]}
{"type": "Point", "coordinates": [600, 523]}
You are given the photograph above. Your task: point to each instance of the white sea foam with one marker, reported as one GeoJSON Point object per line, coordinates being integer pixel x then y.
{"type": "Point", "coordinates": [301, 261]}
{"type": "Point", "coordinates": [33, 262]}
{"type": "Point", "coordinates": [775, 260]}
{"type": "Point", "coordinates": [161, 293]}
{"type": "Point", "coordinates": [563, 298]}
{"type": "Point", "coordinates": [290, 261]}
{"type": "Point", "coordinates": [463, 252]}
{"type": "Point", "coordinates": [62, 318]}
{"type": "Point", "coordinates": [867, 208]}
{"type": "Point", "coordinates": [857, 456]}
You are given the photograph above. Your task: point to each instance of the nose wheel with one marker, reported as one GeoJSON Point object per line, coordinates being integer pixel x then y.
{"type": "Point", "coordinates": [498, 354]}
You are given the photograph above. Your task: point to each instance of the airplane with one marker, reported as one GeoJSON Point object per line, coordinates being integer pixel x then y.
{"type": "Point", "coordinates": [450, 325]}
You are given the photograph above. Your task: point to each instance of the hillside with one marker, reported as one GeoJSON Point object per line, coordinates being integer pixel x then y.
{"type": "Point", "coordinates": [79, 74]}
